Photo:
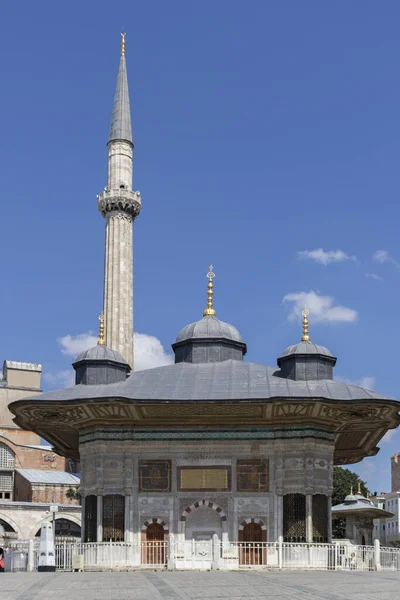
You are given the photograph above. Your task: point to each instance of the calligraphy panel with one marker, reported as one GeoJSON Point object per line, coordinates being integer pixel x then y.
{"type": "Point", "coordinates": [253, 475]}
{"type": "Point", "coordinates": [154, 475]}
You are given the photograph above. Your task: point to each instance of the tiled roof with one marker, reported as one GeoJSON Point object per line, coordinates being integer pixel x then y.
{"type": "Point", "coordinates": [50, 477]}
{"type": "Point", "coordinates": [227, 380]}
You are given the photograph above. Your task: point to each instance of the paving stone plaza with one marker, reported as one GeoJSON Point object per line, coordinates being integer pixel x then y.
{"type": "Point", "coordinates": [151, 585]}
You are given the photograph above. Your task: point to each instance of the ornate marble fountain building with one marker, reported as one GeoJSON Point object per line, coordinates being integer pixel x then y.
{"type": "Point", "coordinates": [211, 444]}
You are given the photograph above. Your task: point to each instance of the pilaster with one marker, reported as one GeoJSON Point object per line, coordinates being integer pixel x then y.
{"type": "Point", "coordinates": [309, 535]}
{"type": "Point", "coordinates": [99, 518]}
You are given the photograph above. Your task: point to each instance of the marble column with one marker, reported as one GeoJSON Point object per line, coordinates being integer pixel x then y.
{"type": "Point", "coordinates": [329, 517]}
{"type": "Point", "coordinates": [83, 519]}
{"type": "Point", "coordinates": [309, 530]}
{"type": "Point", "coordinates": [278, 517]}
{"type": "Point", "coordinates": [99, 518]}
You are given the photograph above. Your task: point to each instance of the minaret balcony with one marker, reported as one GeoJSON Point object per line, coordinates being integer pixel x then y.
{"type": "Point", "coordinates": [119, 200]}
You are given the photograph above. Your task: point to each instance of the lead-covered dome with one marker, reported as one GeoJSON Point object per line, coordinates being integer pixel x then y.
{"type": "Point", "coordinates": [101, 352]}
{"type": "Point", "coordinates": [208, 340]}
{"type": "Point", "coordinates": [100, 365]}
{"type": "Point", "coordinates": [306, 361]}
{"type": "Point", "coordinates": [209, 327]}
{"type": "Point", "coordinates": [306, 348]}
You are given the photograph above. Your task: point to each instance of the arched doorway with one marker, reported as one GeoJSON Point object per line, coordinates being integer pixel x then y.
{"type": "Point", "coordinates": [65, 530]}
{"type": "Point", "coordinates": [154, 543]}
{"type": "Point", "coordinates": [252, 550]}
{"type": "Point", "coordinates": [5, 527]}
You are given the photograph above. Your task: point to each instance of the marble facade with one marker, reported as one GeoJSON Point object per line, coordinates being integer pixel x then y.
{"type": "Point", "coordinates": [295, 467]}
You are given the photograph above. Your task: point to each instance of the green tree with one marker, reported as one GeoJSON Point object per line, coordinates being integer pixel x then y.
{"type": "Point", "coordinates": [343, 481]}
{"type": "Point", "coordinates": [73, 494]}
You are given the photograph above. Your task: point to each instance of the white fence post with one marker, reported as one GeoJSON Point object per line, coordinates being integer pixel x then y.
{"type": "Point", "coordinates": [171, 552]}
{"type": "Point", "coordinates": [377, 555]}
{"type": "Point", "coordinates": [31, 559]}
{"type": "Point", "coordinates": [280, 552]}
{"type": "Point", "coordinates": [215, 552]}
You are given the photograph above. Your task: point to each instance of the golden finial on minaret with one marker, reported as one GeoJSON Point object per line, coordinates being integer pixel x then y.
{"type": "Point", "coordinates": [210, 310]}
{"type": "Point", "coordinates": [306, 337]}
{"type": "Point", "coordinates": [123, 34]}
{"type": "Point", "coordinates": [101, 330]}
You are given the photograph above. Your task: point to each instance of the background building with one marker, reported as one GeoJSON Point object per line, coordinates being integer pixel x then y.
{"type": "Point", "coordinates": [54, 487]}
{"type": "Point", "coordinates": [32, 475]}
{"type": "Point", "coordinates": [387, 531]}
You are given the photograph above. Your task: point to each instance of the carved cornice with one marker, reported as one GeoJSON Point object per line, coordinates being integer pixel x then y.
{"type": "Point", "coordinates": [358, 425]}
{"type": "Point", "coordinates": [119, 200]}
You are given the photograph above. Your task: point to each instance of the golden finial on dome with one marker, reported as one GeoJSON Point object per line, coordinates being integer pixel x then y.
{"type": "Point", "coordinates": [101, 330]}
{"type": "Point", "coordinates": [351, 490]}
{"type": "Point", "coordinates": [210, 310]}
{"type": "Point", "coordinates": [306, 337]}
{"type": "Point", "coordinates": [359, 488]}
{"type": "Point", "coordinates": [123, 34]}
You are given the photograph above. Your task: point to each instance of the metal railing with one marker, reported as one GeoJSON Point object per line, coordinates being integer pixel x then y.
{"type": "Point", "coordinates": [208, 554]}
{"type": "Point", "coordinates": [390, 559]}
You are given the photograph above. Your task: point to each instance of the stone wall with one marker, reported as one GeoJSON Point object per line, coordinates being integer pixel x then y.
{"type": "Point", "coordinates": [302, 466]}
{"type": "Point", "coordinates": [30, 458]}
{"type": "Point", "coordinates": [26, 520]}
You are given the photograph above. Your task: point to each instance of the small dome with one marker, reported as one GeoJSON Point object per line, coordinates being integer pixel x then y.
{"type": "Point", "coordinates": [209, 327]}
{"type": "Point", "coordinates": [101, 352]}
{"type": "Point", "coordinates": [306, 348]}
{"type": "Point", "coordinates": [350, 498]}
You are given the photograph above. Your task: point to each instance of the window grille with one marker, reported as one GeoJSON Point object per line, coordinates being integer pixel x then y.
{"type": "Point", "coordinates": [6, 481]}
{"type": "Point", "coordinates": [114, 518]}
{"type": "Point", "coordinates": [91, 519]}
{"type": "Point", "coordinates": [320, 518]}
{"type": "Point", "coordinates": [7, 457]}
{"type": "Point", "coordinates": [294, 518]}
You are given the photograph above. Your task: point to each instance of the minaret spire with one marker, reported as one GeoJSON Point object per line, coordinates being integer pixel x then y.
{"type": "Point", "coordinates": [121, 128]}
{"type": "Point", "coordinates": [120, 206]}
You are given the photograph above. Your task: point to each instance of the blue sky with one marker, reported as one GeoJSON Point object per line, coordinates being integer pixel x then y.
{"type": "Point", "coordinates": [262, 130]}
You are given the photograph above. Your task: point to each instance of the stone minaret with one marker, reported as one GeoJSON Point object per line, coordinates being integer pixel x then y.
{"type": "Point", "coordinates": [119, 205]}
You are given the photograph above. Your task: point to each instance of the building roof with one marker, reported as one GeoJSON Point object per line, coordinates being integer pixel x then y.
{"type": "Point", "coordinates": [227, 380]}
{"type": "Point", "coordinates": [121, 128]}
{"type": "Point", "coordinates": [49, 477]}
{"type": "Point", "coordinates": [100, 352]}
{"type": "Point", "coordinates": [359, 505]}
{"type": "Point", "coordinates": [16, 505]}
{"type": "Point", "coordinates": [209, 327]}
{"type": "Point", "coordinates": [306, 348]}
{"type": "Point", "coordinates": [22, 366]}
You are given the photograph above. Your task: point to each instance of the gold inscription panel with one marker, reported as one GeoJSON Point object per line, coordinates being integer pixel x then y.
{"type": "Point", "coordinates": [212, 478]}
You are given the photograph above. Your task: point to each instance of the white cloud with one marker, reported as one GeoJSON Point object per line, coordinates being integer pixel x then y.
{"type": "Point", "coordinates": [374, 276]}
{"type": "Point", "coordinates": [383, 256]}
{"type": "Point", "coordinates": [71, 345]}
{"type": "Point", "coordinates": [325, 257]}
{"type": "Point", "coordinates": [60, 379]}
{"type": "Point", "coordinates": [322, 308]}
{"type": "Point", "coordinates": [366, 382]}
{"type": "Point", "coordinates": [148, 350]}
